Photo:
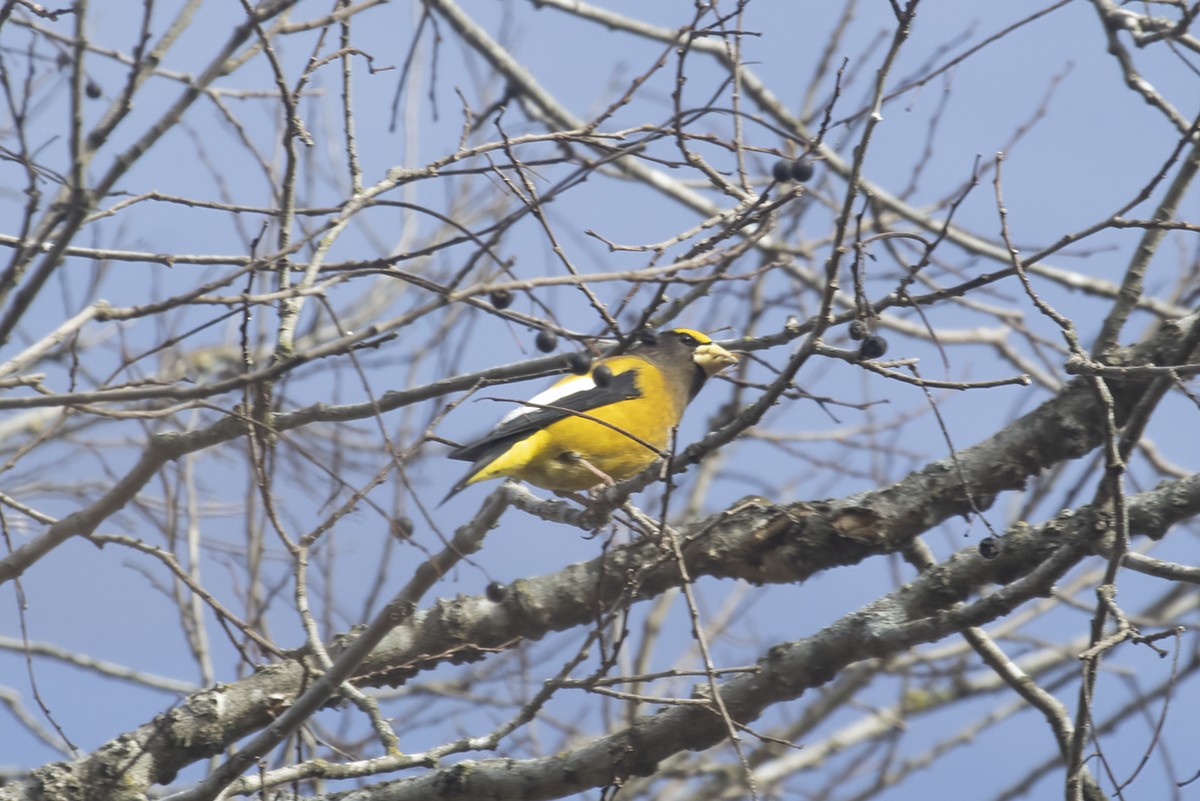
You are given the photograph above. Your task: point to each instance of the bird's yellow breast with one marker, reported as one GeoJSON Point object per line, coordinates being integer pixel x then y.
{"type": "Point", "coordinates": [553, 457]}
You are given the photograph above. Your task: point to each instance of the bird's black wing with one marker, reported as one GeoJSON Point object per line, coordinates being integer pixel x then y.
{"type": "Point", "coordinates": [483, 450]}
{"type": "Point", "coordinates": [622, 387]}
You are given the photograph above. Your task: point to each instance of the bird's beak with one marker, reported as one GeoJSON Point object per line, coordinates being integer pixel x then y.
{"type": "Point", "coordinates": [713, 358]}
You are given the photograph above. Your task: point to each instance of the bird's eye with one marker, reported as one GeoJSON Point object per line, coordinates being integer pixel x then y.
{"type": "Point", "coordinates": [690, 340]}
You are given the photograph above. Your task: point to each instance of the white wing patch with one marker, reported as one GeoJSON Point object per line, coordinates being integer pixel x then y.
{"type": "Point", "coordinates": [567, 386]}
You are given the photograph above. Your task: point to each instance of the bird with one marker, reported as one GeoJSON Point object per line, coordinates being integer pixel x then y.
{"type": "Point", "coordinates": [601, 426]}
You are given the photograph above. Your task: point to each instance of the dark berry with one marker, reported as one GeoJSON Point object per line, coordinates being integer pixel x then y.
{"type": "Point", "coordinates": [989, 548]}
{"type": "Point", "coordinates": [496, 591]}
{"type": "Point", "coordinates": [501, 298]}
{"type": "Point", "coordinates": [858, 330]}
{"type": "Point", "coordinates": [92, 90]}
{"type": "Point", "coordinates": [602, 375]}
{"type": "Point", "coordinates": [802, 170]}
{"type": "Point", "coordinates": [872, 347]}
{"type": "Point", "coordinates": [402, 527]}
{"type": "Point", "coordinates": [782, 170]}
{"type": "Point", "coordinates": [546, 341]}
{"type": "Point", "coordinates": [579, 363]}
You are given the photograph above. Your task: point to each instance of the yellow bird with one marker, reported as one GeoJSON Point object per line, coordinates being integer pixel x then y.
{"type": "Point", "coordinates": [609, 424]}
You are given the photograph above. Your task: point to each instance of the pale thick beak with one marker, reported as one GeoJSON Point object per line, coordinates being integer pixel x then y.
{"type": "Point", "coordinates": [713, 358]}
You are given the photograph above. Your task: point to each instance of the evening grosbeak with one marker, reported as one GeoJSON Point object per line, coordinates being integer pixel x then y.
{"type": "Point", "coordinates": [606, 425]}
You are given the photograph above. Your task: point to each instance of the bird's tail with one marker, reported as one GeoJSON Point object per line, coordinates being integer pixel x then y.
{"type": "Point", "coordinates": [461, 484]}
